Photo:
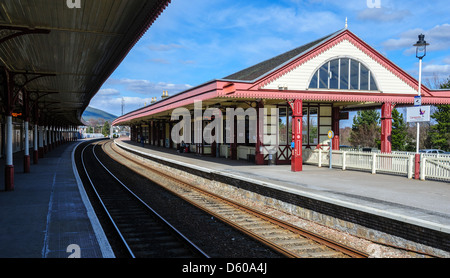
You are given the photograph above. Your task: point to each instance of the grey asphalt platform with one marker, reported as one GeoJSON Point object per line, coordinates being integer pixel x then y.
{"type": "Point", "coordinates": [421, 203]}
{"type": "Point", "coordinates": [48, 214]}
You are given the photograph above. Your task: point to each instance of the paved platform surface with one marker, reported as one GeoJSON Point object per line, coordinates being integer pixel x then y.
{"type": "Point", "coordinates": [423, 203]}
{"type": "Point", "coordinates": [47, 212]}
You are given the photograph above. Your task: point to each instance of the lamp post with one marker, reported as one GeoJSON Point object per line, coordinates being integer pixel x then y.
{"type": "Point", "coordinates": [421, 51]}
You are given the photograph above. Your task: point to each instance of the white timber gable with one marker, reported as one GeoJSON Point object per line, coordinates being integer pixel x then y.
{"type": "Point", "coordinates": [300, 77]}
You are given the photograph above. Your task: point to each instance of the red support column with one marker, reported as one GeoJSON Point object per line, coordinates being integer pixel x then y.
{"type": "Point", "coordinates": [417, 166]}
{"type": "Point", "coordinates": [297, 126]}
{"type": "Point", "coordinates": [335, 126]}
{"type": "Point", "coordinates": [386, 127]}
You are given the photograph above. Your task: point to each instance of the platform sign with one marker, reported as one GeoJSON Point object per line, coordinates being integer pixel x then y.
{"type": "Point", "coordinates": [330, 134]}
{"type": "Point", "coordinates": [418, 114]}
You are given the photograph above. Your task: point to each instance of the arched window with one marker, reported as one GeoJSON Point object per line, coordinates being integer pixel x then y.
{"type": "Point", "coordinates": [343, 74]}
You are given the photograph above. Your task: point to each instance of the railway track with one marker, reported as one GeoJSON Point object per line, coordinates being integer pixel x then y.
{"type": "Point", "coordinates": [280, 236]}
{"type": "Point", "coordinates": [144, 233]}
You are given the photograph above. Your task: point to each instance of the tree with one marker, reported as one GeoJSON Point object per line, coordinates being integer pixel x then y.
{"type": "Point", "coordinates": [365, 130]}
{"type": "Point", "coordinates": [440, 132]}
{"type": "Point", "coordinates": [106, 129]}
{"type": "Point", "coordinates": [399, 137]}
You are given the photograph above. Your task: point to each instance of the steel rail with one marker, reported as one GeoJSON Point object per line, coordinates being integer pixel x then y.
{"type": "Point", "coordinates": [153, 212]}
{"type": "Point", "coordinates": [104, 206]}
{"type": "Point", "coordinates": [315, 237]}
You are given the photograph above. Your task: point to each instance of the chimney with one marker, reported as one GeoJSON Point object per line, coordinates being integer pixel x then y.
{"type": "Point", "coordinates": [165, 94]}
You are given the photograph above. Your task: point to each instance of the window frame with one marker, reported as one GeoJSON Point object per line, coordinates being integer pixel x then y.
{"type": "Point", "coordinates": [318, 76]}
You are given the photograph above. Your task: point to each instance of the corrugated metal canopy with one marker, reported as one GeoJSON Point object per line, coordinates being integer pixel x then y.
{"type": "Point", "coordinates": [72, 50]}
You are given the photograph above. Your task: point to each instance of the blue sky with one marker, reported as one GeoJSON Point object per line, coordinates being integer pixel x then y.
{"type": "Point", "coordinates": [195, 41]}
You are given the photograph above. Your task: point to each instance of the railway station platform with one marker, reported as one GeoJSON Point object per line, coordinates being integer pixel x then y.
{"type": "Point", "coordinates": [47, 215]}
{"type": "Point", "coordinates": [419, 208]}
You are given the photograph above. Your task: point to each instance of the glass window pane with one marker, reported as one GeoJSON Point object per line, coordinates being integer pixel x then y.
{"type": "Point", "coordinates": [364, 78]}
{"type": "Point", "coordinates": [325, 120]}
{"type": "Point", "coordinates": [305, 126]}
{"type": "Point", "coordinates": [324, 129]}
{"type": "Point", "coordinates": [354, 75]}
{"type": "Point", "coordinates": [324, 140]}
{"type": "Point", "coordinates": [282, 126]}
{"type": "Point", "coordinates": [313, 126]}
{"type": "Point", "coordinates": [344, 74]}
{"type": "Point", "coordinates": [373, 85]}
{"type": "Point", "coordinates": [323, 77]}
{"type": "Point", "coordinates": [334, 70]}
{"type": "Point", "coordinates": [313, 84]}
{"type": "Point", "coordinates": [289, 125]}
{"type": "Point", "coordinates": [325, 110]}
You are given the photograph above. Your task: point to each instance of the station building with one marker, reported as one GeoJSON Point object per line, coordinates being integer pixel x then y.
{"type": "Point", "coordinates": [311, 88]}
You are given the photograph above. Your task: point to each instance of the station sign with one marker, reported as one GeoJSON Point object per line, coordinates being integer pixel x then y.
{"type": "Point", "coordinates": [417, 101]}
{"type": "Point", "coordinates": [418, 114]}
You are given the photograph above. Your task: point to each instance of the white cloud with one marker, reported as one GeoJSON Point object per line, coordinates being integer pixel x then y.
{"type": "Point", "coordinates": [383, 14]}
{"type": "Point", "coordinates": [164, 47]}
{"type": "Point", "coordinates": [146, 87]}
{"type": "Point", "coordinates": [114, 105]}
{"type": "Point", "coordinates": [159, 61]}
{"type": "Point", "coordinates": [109, 99]}
{"type": "Point", "coordinates": [438, 37]}
{"type": "Point", "coordinates": [437, 68]}
{"type": "Point", "coordinates": [108, 92]}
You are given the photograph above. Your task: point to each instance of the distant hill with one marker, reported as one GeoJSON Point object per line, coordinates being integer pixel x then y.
{"type": "Point", "coordinates": [97, 114]}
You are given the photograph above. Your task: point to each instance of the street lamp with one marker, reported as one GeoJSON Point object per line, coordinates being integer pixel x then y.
{"type": "Point", "coordinates": [421, 51]}
{"type": "Point", "coordinates": [421, 47]}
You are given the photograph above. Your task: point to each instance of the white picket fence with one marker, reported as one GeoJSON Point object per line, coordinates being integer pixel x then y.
{"type": "Point", "coordinates": [432, 167]}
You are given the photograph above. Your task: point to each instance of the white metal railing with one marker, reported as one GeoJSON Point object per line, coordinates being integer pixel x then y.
{"type": "Point", "coordinates": [432, 166]}
{"type": "Point", "coordinates": [437, 168]}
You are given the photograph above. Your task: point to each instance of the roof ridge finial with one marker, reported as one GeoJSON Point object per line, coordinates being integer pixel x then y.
{"type": "Point", "coordinates": [346, 23]}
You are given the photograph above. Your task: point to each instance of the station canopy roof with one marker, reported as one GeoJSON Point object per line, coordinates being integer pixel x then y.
{"type": "Point", "coordinates": [63, 54]}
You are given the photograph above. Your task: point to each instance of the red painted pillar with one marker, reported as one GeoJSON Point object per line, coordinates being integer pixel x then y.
{"type": "Point", "coordinates": [335, 126]}
{"type": "Point", "coordinates": [386, 127]}
{"type": "Point", "coordinates": [297, 126]}
{"type": "Point", "coordinates": [259, 153]}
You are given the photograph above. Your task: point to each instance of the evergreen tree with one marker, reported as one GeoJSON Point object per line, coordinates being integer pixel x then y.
{"type": "Point", "coordinates": [399, 137]}
{"type": "Point", "coordinates": [440, 132]}
{"type": "Point", "coordinates": [106, 129]}
{"type": "Point", "coordinates": [365, 129]}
